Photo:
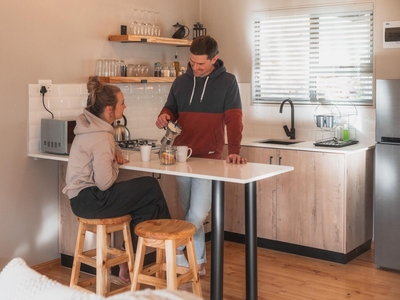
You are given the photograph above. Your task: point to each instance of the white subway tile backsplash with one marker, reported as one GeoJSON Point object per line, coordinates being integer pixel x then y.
{"type": "Point", "coordinates": [144, 102]}
{"type": "Point", "coordinates": [66, 101]}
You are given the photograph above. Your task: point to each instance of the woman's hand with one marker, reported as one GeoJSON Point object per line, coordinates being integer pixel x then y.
{"type": "Point", "coordinates": [120, 159]}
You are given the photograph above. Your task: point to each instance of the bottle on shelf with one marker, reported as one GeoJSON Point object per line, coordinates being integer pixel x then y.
{"type": "Point", "coordinates": [172, 71]}
{"type": "Point", "coordinates": [176, 65]}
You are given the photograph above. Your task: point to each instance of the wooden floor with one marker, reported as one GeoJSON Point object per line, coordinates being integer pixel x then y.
{"type": "Point", "coordinates": [287, 276]}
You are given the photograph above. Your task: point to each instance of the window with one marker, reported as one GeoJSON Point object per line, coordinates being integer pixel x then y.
{"type": "Point", "coordinates": [314, 55]}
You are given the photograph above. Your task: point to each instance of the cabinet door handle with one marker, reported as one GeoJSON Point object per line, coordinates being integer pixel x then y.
{"type": "Point", "coordinates": [280, 160]}
{"type": "Point", "coordinates": [270, 159]}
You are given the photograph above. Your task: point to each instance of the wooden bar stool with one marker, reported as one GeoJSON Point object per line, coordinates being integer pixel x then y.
{"type": "Point", "coordinates": [104, 256]}
{"type": "Point", "coordinates": [165, 236]}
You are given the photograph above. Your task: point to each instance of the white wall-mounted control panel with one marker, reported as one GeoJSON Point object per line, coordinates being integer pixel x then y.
{"type": "Point", "coordinates": [391, 34]}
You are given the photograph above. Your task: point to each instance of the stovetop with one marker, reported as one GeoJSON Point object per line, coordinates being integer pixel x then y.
{"type": "Point", "coordinates": [335, 143]}
{"type": "Point", "coordinates": [134, 144]}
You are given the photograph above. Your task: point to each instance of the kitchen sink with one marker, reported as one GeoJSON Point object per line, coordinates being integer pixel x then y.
{"type": "Point", "coordinates": [278, 142]}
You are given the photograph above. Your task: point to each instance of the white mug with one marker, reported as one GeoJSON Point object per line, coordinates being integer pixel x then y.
{"type": "Point", "coordinates": [182, 153]}
{"type": "Point", "coordinates": [145, 152]}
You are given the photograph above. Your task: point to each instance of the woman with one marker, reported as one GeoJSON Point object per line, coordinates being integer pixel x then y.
{"type": "Point", "coordinates": [93, 168]}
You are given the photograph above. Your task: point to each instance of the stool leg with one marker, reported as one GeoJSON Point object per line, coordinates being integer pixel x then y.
{"type": "Point", "coordinates": [76, 266]}
{"type": "Point", "coordinates": [170, 253]}
{"type": "Point", "coordinates": [191, 252]}
{"type": "Point", "coordinates": [160, 258]}
{"type": "Point", "coordinates": [101, 257]}
{"type": "Point", "coordinates": [139, 260]}
{"type": "Point", "coordinates": [129, 248]}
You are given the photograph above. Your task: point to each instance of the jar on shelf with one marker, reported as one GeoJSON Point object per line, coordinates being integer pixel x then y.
{"type": "Point", "coordinates": [157, 69]}
{"type": "Point", "coordinates": [165, 71]}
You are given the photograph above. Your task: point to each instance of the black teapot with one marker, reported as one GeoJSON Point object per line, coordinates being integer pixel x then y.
{"type": "Point", "coordinates": [180, 31]}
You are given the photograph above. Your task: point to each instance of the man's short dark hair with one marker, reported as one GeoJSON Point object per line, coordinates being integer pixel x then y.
{"type": "Point", "coordinates": [204, 45]}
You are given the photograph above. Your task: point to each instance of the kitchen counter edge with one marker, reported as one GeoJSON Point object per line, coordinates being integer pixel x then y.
{"type": "Point", "coordinates": [250, 142]}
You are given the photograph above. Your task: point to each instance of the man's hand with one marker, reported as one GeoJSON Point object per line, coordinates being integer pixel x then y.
{"type": "Point", "coordinates": [236, 159]}
{"type": "Point", "coordinates": [162, 121]}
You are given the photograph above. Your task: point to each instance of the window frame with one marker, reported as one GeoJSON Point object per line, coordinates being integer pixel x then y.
{"type": "Point", "coordinates": [365, 70]}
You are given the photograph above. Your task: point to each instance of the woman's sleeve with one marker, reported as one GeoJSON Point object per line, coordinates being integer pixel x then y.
{"type": "Point", "coordinates": [105, 168]}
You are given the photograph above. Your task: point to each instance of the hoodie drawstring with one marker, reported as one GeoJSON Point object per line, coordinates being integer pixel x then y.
{"type": "Point", "coordinates": [194, 87]}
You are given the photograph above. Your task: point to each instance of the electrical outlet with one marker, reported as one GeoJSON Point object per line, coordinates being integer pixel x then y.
{"type": "Point", "coordinates": [47, 83]}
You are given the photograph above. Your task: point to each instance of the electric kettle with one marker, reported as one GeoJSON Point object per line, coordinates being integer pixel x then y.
{"type": "Point", "coordinates": [173, 130]}
{"type": "Point", "coordinates": [121, 132]}
{"type": "Point", "coordinates": [179, 31]}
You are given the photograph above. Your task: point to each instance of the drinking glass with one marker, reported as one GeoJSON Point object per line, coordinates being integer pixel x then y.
{"type": "Point", "coordinates": [145, 20]}
{"type": "Point", "coordinates": [99, 67]}
{"type": "Point", "coordinates": [106, 68]}
{"type": "Point", "coordinates": [150, 23]}
{"type": "Point", "coordinates": [142, 24]}
{"type": "Point", "coordinates": [157, 29]}
{"type": "Point", "coordinates": [134, 27]}
{"type": "Point", "coordinates": [112, 67]}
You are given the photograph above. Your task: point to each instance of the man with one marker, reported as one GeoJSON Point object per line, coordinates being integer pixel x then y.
{"type": "Point", "coordinates": [203, 101]}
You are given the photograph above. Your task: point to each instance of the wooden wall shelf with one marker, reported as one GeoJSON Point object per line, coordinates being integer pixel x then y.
{"type": "Point", "coordinates": [135, 79]}
{"type": "Point", "coordinates": [149, 39]}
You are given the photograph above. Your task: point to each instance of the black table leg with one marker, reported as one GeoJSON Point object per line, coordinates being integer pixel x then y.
{"type": "Point", "coordinates": [251, 240]}
{"type": "Point", "coordinates": [217, 241]}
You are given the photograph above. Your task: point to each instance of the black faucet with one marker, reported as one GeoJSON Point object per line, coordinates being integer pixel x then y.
{"type": "Point", "coordinates": [291, 133]}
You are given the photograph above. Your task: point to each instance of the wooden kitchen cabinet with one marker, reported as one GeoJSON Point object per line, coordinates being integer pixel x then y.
{"type": "Point", "coordinates": [325, 203]}
{"type": "Point", "coordinates": [266, 198]}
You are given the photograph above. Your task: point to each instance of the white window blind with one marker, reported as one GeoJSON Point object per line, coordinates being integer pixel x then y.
{"type": "Point", "coordinates": [314, 55]}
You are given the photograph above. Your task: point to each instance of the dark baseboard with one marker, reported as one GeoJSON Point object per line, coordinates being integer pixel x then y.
{"type": "Point", "coordinates": [67, 260]}
{"type": "Point", "coordinates": [302, 250]}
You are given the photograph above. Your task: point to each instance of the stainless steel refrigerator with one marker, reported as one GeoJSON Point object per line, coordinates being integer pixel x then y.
{"type": "Point", "coordinates": [387, 175]}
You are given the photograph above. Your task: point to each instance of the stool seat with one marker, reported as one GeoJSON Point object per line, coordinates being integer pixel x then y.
{"type": "Point", "coordinates": [104, 256]}
{"type": "Point", "coordinates": [165, 235]}
{"type": "Point", "coordinates": [165, 229]}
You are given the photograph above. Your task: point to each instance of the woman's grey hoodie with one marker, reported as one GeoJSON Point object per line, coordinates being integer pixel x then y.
{"type": "Point", "coordinates": [92, 156]}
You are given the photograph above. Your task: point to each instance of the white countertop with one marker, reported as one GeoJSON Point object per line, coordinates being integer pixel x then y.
{"type": "Point", "coordinates": [306, 146]}
{"type": "Point", "coordinates": [212, 169]}
{"type": "Point", "coordinates": [215, 169]}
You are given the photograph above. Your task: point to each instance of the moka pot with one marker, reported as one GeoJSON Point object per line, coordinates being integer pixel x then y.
{"type": "Point", "coordinates": [172, 131]}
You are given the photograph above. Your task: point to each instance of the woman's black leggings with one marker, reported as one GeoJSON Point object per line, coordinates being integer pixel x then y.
{"type": "Point", "coordinates": [141, 197]}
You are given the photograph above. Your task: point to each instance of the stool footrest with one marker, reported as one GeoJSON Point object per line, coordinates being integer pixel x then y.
{"type": "Point", "coordinates": [87, 282]}
{"type": "Point", "coordinates": [150, 270]}
{"type": "Point", "coordinates": [87, 260]}
{"type": "Point", "coordinates": [153, 281]}
{"type": "Point", "coordinates": [111, 262]}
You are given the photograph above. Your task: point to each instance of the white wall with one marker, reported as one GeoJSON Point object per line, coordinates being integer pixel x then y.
{"type": "Point", "coordinates": [58, 41]}
{"type": "Point", "coordinates": [61, 41]}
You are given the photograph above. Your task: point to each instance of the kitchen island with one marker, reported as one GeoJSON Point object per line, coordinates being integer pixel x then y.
{"type": "Point", "coordinates": [219, 172]}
